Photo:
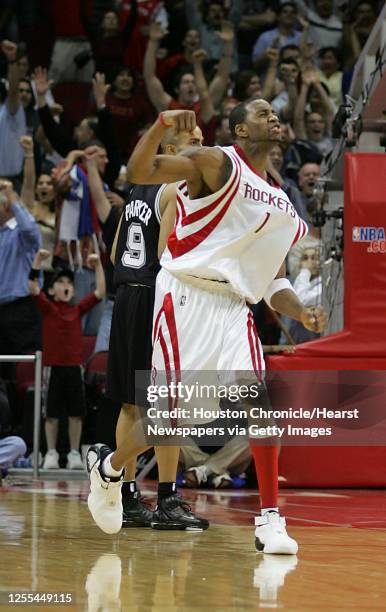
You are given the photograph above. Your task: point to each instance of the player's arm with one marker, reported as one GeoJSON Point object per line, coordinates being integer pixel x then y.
{"type": "Point", "coordinates": [280, 296]}
{"type": "Point", "coordinates": [198, 166]}
{"type": "Point", "coordinates": [168, 215]}
{"type": "Point", "coordinates": [114, 247]}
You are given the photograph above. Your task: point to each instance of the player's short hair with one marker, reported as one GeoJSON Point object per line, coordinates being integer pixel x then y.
{"type": "Point", "coordinates": [238, 115]}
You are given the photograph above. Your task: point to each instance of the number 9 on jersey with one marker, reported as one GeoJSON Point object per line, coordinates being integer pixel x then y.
{"type": "Point", "coordinates": [135, 255]}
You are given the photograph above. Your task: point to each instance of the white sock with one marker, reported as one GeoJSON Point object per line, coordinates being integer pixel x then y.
{"type": "Point", "coordinates": [108, 469]}
{"type": "Point", "coordinates": [265, 510]}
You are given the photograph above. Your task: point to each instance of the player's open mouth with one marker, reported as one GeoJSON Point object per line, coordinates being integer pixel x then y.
{"type": "Point", "coordinates": [66, 293]}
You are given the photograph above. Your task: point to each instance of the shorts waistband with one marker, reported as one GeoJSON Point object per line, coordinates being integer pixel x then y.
{"type": "Point", "coordinates": [206, 284]}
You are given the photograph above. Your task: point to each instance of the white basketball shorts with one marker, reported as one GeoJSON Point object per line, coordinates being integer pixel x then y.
{"type": "Point", "coordinates": [201, 329]}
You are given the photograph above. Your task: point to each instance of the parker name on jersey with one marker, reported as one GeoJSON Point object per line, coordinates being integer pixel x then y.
{"type": "Point", "coordinates": [139, 209]}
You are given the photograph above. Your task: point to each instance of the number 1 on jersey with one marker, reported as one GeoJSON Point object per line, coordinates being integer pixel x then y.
{"type": "Point", "coordinates": [135, 256]}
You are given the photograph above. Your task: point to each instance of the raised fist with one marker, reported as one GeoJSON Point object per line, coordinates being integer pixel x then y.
{"type": "Point", "coordinates": [199, 56]}
{"type": "Point", "coordinates": [93, 260]}
{"type": "Point", "coordinates": [43, 254]}
{"type": "Point", "coordinates": [181, 120]}
{"type": "Point", "coordinates": [156, 33]}
{"type": "Point", "coordinates": [27, 144]}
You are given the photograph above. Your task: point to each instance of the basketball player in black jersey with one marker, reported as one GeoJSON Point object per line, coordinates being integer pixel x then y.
{"type": "Point", "coordinates": [146, 221]}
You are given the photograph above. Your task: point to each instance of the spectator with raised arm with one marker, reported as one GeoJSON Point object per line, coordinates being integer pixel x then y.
{"type": "Point", "coordinates": [257, 17]}
{"type": "Point", "coordinates": [150, 11]}
{"type": "Point", "coordinates": [130, 110]}
{"type": "Point", "coordinates": [209, 26]}
{"type": "Point", "coordinates": [19, 241]}
{"type": "Point", "coordinates": [62, 354]}
{"type": "Point", "coordinates": [168, 67]}
{"type": "Point", "coordinates": [219, 82]}
{"type": "Point", "coordinates": [12, 117]}
{"type": "Point", "coordinates": [360, 19]}
{"type": "Point", "coordinates": [39, 198]}
{"type": "Point", "coordinates": [108, 215]}
{"type": "Point", "coordinates": [109, 40]}
{"type": "Point", "coordinates": [187, 87]}
{"type": "Point", "coordinates": [330, 72]}
{"type": "Point", "coordinates": [285, 33]}
{"type": "Point", "coordinates": [313, 125]}
{"type": "Point", "coordinates": [286, 89]}
{"type": "Point", "coordinates": [90, 128]}
{"type": "Point", "coordinates": [78, 232]}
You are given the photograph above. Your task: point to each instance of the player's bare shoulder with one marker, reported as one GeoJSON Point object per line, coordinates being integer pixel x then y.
{"type": "Point", "coordinates": [215, 169]}
{"type": "Point", "coordinates": [168, 197]}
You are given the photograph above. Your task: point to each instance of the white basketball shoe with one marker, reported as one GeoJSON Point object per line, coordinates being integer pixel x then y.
{"type": "Point", "coordinates": [105, 498]}
{"type": "Point", "coordinates": [271, 536]}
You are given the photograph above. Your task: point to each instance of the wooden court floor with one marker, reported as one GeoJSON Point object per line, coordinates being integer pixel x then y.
{"type": "Point", "coordinates": [50, 544]}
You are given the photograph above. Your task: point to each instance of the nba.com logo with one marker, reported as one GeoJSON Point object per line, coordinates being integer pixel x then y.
{"type": "Point", "coordinates": [374, 235]}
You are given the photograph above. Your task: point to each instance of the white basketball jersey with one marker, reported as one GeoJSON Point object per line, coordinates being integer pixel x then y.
{"type": "Point", "coordinates": [240, 235]}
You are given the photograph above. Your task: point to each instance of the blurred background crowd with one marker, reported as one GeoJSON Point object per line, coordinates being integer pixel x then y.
{"type": "Point", "coordinates": [80, 75]}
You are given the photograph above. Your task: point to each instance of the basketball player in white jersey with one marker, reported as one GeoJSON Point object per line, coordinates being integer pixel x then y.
{"type": "Point", "coordinates": [234, 227]}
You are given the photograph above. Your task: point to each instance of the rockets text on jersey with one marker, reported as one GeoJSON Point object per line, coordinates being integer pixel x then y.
{"type": "Point", "coordinates": [240, 235]}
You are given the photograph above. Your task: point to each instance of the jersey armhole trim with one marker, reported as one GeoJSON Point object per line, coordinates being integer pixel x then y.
{"type": "Point", "coordinates": [157, 201]}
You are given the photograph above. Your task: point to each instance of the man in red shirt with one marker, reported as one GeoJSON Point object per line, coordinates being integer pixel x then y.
{"type": "Point", "coordinates": [148, 11]}
{"type": "Point", "coordinates": [62, 353]}
{"type": "Point", "coordinates": [192, 90]}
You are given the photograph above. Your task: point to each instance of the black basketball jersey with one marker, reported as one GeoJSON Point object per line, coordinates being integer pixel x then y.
{"type": "Point", "coordinates": [136, 256]}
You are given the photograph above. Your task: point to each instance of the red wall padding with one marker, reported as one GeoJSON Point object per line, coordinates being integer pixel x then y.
{"type": "Point", "coordinates": [362, 343]}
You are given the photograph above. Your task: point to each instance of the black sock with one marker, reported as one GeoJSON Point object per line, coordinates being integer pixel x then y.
{"type": "Point", "coordinates": [166, 489]}
{"type": "Point", "coordinates": [129, 488]}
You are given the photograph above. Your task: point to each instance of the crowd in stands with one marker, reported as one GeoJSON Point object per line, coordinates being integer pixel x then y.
{"type": "Point", "coordinates": [82, 79]}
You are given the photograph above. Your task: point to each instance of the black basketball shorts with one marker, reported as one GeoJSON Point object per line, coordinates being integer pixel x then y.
{"type": "Point", "coordinates": [63, 392]}
{"type": "Point", "coordinates": [130, 346]}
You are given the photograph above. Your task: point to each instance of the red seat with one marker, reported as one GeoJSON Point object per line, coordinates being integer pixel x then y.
{"type": "Point", "coordinates": [25, 376]}
{"type": "Point", "coordinates": [95, 371]}
{"type": "Point", "coordinates": [88, 347]}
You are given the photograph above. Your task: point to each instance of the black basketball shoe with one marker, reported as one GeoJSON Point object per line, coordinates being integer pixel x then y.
{"type": "Point", "coordinates": [136, 512]}
{"type": "Point", "coordinates": [174, 513]}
